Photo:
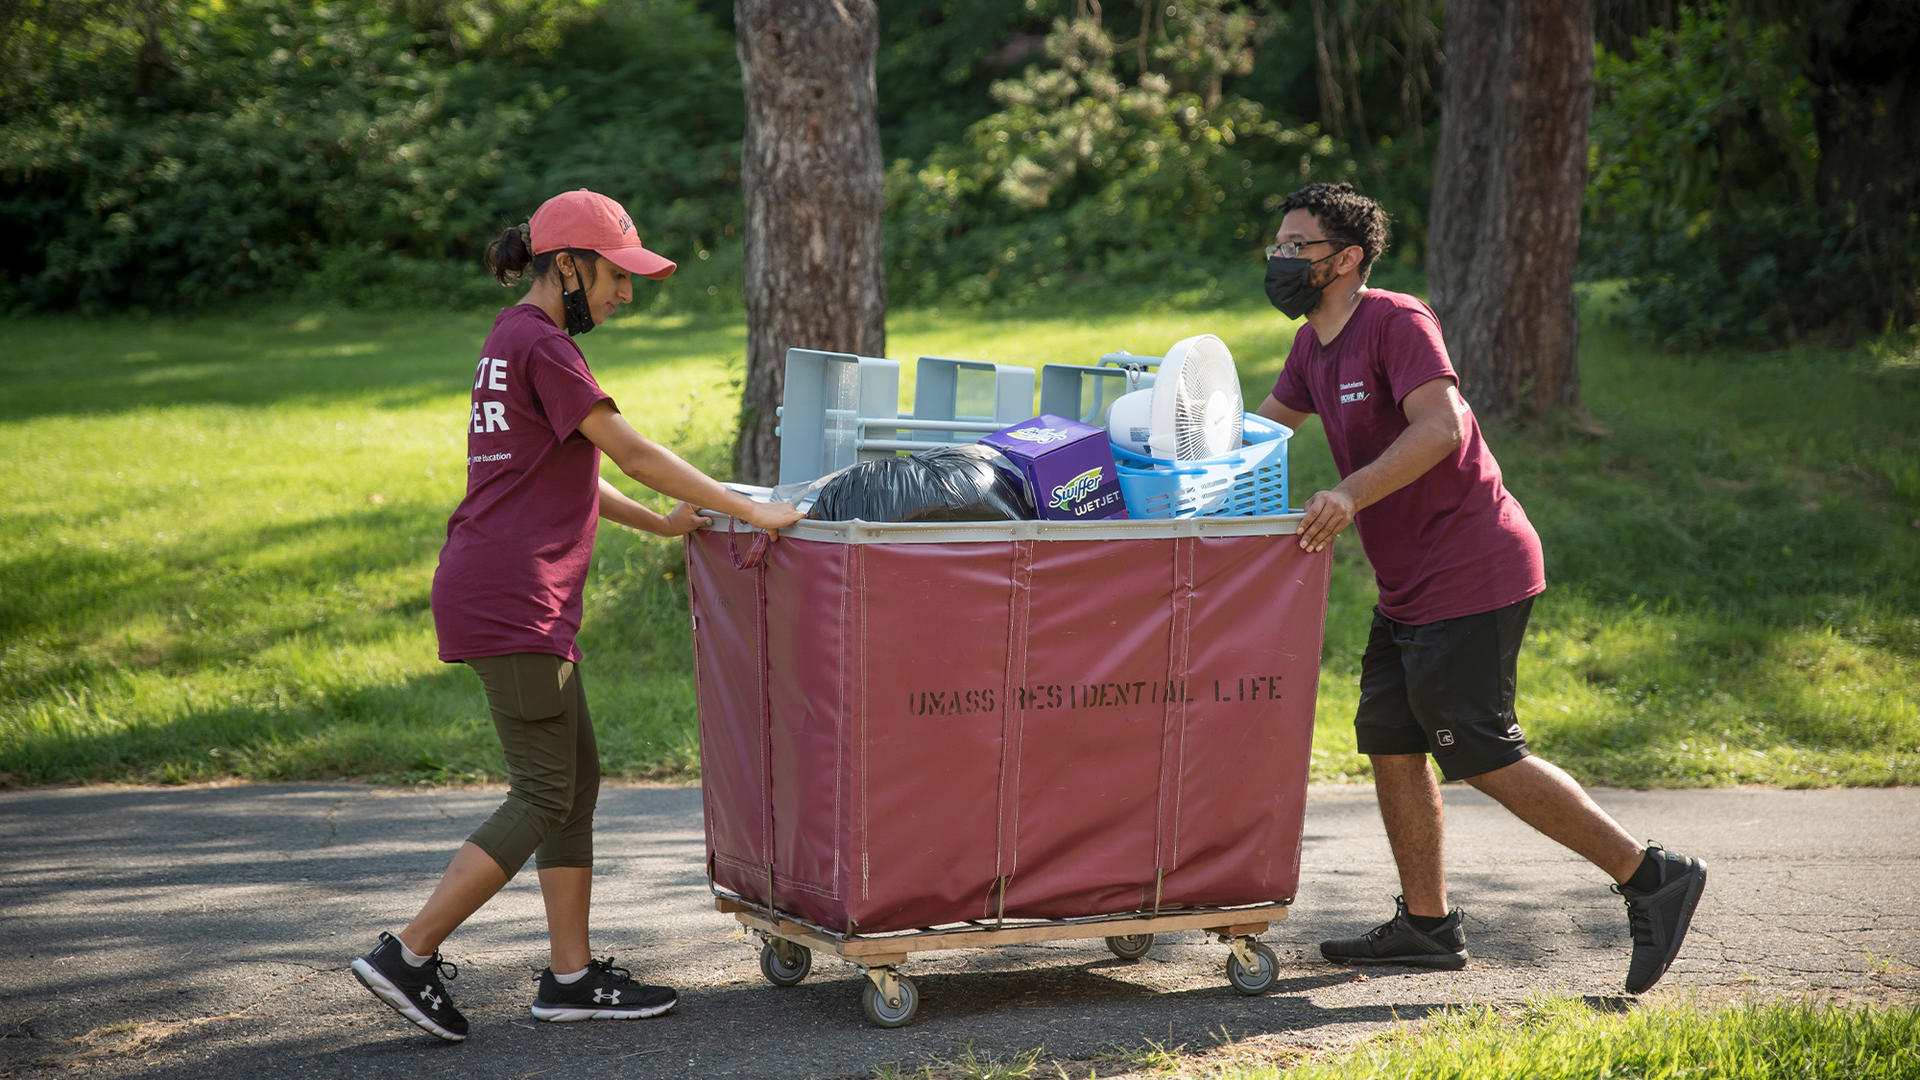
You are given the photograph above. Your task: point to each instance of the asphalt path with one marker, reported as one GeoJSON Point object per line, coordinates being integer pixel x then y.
{"type": "Point", "coordinates": [205, 932]}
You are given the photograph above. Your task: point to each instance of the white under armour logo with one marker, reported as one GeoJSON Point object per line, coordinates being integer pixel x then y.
{"type": "Point", "coordinates": [427, 995]}
{"type": "Point", "coordinates": [612, 996]}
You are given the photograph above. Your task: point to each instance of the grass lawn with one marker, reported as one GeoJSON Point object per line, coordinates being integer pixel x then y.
{"type": "Point", "coordinates": [1564, 1040]}
{"type": "Point", "coordinates": [215, 557]}
{"type": "Point", "coordinates": [1549, 1039]}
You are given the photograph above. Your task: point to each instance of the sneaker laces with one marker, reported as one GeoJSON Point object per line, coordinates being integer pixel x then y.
{"type": "Point", "coordinates": [611, 973]}
{"type": "Point", "coordinates": [1400, 916]}
{"type": "Point", "coordinates": [1639, 920]}
{"type": "Point", "coordinates": [436, 964]}
{"type": "Point", "coordinates": [1385, 928]}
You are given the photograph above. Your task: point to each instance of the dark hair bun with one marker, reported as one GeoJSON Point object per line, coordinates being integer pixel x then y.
{"type": "Point", "coordinates": [509, 255]}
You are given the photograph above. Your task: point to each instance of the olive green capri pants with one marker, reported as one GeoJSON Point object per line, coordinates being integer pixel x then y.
{"type": "Point", "coordinates": [553, 764]}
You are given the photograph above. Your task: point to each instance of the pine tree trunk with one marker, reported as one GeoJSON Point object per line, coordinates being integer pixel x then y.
{"type": "Point", "coordinates": [811, 177]}
{"type": "Point", "coordinates": [1510, 177]}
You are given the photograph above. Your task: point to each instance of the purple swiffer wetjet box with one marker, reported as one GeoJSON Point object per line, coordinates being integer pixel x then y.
{"type": "Point", "coordinates": [1067, 465]}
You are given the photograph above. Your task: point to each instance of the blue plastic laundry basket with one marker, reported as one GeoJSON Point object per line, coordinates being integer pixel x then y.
{"type": "Point", "coordinates": [1247, 482]}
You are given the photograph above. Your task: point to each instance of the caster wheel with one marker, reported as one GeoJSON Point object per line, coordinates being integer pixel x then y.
{"type": "Point", "coordinates": [785, 963]}
{"type": "Point", "coordinates": [890, 1014]}
{"type": "Point", "coordinates": [1130, 946]}
{"type": "Point", "coordinates": [1258, 980]}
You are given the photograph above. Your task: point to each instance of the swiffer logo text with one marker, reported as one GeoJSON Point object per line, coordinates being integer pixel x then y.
{"type": "Point", "coordinates": [1075, 489]}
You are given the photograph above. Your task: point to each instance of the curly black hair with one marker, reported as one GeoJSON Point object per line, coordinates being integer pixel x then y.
{"type": "Point", "coordinates": [1346, 215]}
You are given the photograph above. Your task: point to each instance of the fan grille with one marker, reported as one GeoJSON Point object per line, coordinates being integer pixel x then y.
{"type": "Point", "coordinates": [1206, 407]}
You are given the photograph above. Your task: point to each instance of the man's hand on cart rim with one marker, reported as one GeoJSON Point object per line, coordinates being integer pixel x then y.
{"type": "Point", "coordinates": [1327, 513]}
{"type": "Point", "coordinates": [772, 516]}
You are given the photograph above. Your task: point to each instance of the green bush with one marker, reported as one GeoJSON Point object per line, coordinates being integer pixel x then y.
{"type": "Point", "coordinates": [299, 145]}
{"type": "Point", "coordinates": [1758, 280]}
{"type": "Point", "coordinates": [1703, 200]}
{"type": "Point", "coordinates": [1082, 179]}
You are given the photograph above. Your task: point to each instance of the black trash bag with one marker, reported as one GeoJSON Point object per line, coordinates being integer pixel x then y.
{"type": "Point", "coordinates": [950, 483]}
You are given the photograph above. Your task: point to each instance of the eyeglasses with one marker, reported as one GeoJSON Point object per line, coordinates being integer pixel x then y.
{"type": "Point", "coordinates": [1291, 248]}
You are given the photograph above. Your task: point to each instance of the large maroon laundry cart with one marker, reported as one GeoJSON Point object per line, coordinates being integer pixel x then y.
{"type": "Point", "coordinates": [932, 736]}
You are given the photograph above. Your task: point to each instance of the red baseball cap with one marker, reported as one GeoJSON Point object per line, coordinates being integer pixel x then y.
{"type": "Point", "coordinates": [590, 220]}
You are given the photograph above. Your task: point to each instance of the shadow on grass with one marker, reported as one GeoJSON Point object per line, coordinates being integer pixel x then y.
{"type": "Point", "coordinates": [244, 576]}
{"type": "Point", "coordinates": [59, 367]}
{"type": "Point", "coordinates": [429, 728]}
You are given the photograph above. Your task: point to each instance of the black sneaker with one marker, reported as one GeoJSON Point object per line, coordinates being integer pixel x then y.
{"type": "Point", "coordinates": [1398, 941]}
{"type": "Point", "coordinates": [605, 992]}
{"type": "Point", "coordinates": [1659, 916]}
{"type": "Point", "coordinates": [414, 992]}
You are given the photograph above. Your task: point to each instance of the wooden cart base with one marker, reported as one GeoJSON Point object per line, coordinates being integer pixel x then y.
{"type": "Point", "coordinates": [890, 1000]}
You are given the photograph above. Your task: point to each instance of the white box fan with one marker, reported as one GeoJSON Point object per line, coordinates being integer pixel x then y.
{"type": "Point", "coordinates": [1192, 411]}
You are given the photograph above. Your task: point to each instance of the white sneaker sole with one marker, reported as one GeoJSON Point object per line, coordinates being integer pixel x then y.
{"type": "Point", "coordinates": [396, 998]}
{"type": "Point", "coordinates": [565, 1014]}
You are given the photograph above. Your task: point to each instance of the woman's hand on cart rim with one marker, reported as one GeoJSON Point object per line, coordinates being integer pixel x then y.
{"type": "Point", "coordinates": [683, 519]}
{"type": "Point", "coordinates": [772, 516]}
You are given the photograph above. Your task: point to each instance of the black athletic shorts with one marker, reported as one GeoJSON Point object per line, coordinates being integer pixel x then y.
{"type": "Point", "coordinates": [1444, 688]}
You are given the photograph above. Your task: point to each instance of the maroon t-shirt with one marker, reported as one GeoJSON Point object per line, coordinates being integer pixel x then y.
{"type": "Point", "coordinates": [518, 545]}
{"type": "Point", "coordinates": [1453, 542]}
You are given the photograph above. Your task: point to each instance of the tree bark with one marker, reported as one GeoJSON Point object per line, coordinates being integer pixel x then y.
{"type": "Point", "coordinates": [811, 177]}
{"type": "Point", "coordinates": [1510, 178]}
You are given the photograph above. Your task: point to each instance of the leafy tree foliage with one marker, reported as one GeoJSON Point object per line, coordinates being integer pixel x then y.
{"type": "Point", "coordinates": [1750, 179]}
{"type": "Point", "coordinates": [166, 151]}
{"type": "Point", "coordinates": [1707, 194]}
{"type": "Point", "coordinates": [1369, 73]}
{"type": "Point", "coordinates": [1089, 172]}
{"type": "Point", "coordinates": [938, 60]}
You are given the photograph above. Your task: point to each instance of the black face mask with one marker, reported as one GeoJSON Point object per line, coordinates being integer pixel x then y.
{"type": "Point", "coordinates": [579, 312]}
{"type": "Point", "coordinates": [1290, 284]}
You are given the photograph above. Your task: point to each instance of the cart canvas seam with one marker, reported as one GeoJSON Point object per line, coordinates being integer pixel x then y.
{"type": "Point", "coordinates": [1181, 660]}
{"type": "Point", "coordinates": [1166, 801]}
{"type": "Point", "coordinates": [863, 836]}
{"type": "Point", "coordinates": [744, 865]}
{"type": "Point", "coordinates": [762, 676]}
{"type": "Point", "coordinates": [845, 751]}
{"type": "Point", "coordinates": [1023, 589]}
{"type": "Point", "coordinates": [1012, 675]}
{"type": "Point", "coordinates": [1009, 717]}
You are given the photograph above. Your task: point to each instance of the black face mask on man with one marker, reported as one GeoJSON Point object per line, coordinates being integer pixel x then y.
{"type": "Point", "coordinates": [1290, 284]}
{"type": "Point", "coordinates": [579, 312]}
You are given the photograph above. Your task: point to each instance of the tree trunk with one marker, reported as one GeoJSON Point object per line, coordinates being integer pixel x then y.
{"type": "Point", "coordinates": [1510, 177]}
{"type": "Point", "coordinates": [811, 176]}
{"type": "Point", "coordinates": [1866, 101]}
{"type": "Point", "coordinates": [150, 18]}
